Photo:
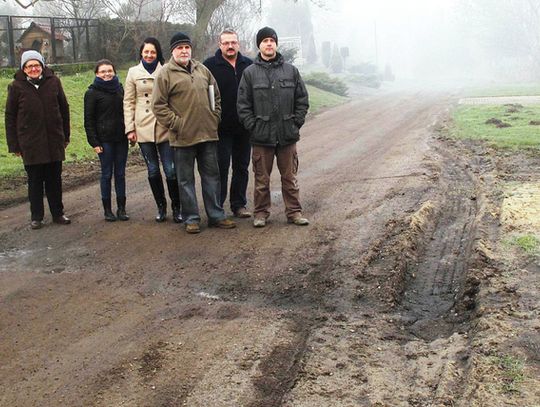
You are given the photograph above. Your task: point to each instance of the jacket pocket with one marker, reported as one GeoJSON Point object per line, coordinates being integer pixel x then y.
{"type": "Point", "coordinates": [291, 130]}
{"type": "Point", "coordinates": [262, 131]}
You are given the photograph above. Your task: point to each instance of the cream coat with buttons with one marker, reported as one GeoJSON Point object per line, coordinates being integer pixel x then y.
{"type": "Point", "coordinates": [138, 115]}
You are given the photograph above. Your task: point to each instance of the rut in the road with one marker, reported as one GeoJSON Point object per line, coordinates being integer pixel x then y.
{"type": "Point", "coordinates": [436, 281]}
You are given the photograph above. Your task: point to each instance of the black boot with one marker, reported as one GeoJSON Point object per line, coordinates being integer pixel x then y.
{"type": "Point", "coordinates": [121, 211]}
{"type": "Point", "coordinates": [172, 186]}
{"type": "Point", "coordinates": [107, 211]}
{"type": "Point", "coordinates": [159, 195]}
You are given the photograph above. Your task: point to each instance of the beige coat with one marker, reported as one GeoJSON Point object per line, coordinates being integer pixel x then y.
{"type": "Point", "coordinates": [138, 115]}
{"type": "Point", "coordinates": [180, 101]}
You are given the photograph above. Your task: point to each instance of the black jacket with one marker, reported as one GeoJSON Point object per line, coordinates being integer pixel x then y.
{"type": "Point", "coordinates": [37, 120]}
{"type": "Point", "coordinates": [228, 79]}
{"type": "Point", "coordinates": [272, 102]}
{"type": "Point", "coordinates": [104, 116]}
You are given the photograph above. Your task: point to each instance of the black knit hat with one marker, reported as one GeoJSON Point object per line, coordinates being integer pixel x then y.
{"type": "Point", "coordinates": [266, 32]}
{"type": "Point", "coordinates": [179, 38]}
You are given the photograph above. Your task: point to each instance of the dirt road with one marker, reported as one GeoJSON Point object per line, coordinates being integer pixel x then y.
{"type": "Point", "coordinates": [374, 304]}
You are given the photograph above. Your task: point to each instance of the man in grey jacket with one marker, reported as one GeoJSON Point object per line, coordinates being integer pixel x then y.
{"type": "Point", "coordinates": [272, 106]}
{"type": "Point", "coordinates": [180, 102]}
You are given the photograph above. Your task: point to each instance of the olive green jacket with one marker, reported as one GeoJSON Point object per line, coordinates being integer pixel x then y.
{"type": "Point", "coordinates": [180, 102]}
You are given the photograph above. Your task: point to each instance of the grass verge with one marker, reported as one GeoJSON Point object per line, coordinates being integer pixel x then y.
{"type": "Point", "coordinates": [470, 123]}
{"type": "Point", "coordinates": [319, 99]}
{"type": "Point", "coordinates": [511, 369]}
{"type": "Point", "coordinates": [527, 243]}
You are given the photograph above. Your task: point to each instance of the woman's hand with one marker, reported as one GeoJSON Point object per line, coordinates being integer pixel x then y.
{"type": "Point", "coordinates": [98, 149]}
{"type": "Point", "coordinates": [132, 137]}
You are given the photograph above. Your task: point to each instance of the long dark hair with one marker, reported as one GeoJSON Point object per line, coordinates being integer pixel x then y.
{"type": "Point", "coordinates": [155, 43]}
{"type": "Point", "coordinates": [104, 62]}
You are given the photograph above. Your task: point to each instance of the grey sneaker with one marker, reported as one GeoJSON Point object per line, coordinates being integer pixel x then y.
{"type": "Point", "coordinates": [259, 222]}
{"type": "Point", "coordinates": [298, 220]}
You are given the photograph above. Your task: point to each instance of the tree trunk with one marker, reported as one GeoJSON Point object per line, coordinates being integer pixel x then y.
{"type": "Point", "coordinates": [204, 12]}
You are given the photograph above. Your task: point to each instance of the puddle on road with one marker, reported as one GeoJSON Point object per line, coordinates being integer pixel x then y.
{"type": "Point", "coordinates": [24, 260]}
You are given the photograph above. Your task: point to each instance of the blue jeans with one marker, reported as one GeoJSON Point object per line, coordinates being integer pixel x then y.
{"type": "Point", "coordinates": [235, 148]}
{"type": "Point", "coordinates": [207, 164]}
{"type": "Point", "coordinates": [113, 160]}
{"type": "Point", "coordinates": [152, 153]}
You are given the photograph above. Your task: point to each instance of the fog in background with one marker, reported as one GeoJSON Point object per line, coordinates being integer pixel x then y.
{"type": "Point", "coordinates": [480, 40]}
{"type": "Point", "coordinates": [436, 39]}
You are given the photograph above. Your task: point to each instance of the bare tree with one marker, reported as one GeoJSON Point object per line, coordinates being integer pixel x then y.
{"type": "Point", "coordinates": [73, 8]}
{"type": "Point", "coordinates": [235, 14]}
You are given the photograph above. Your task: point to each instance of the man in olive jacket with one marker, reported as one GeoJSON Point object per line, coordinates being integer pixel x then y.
{"type": "Point", "coordinates": [186, 101]}
{"type": "Point", "coordinates": [272, 106]}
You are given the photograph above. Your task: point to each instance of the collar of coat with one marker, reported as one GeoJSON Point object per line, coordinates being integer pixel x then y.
{"type": "Point", "coordinates": [240, 59]}
{"type": "Point", "coordinates": [278, 60]}
{"type": "Point", "coordinates": [144, 73]}
{"type": "Point", "coordinates": [174, 66]}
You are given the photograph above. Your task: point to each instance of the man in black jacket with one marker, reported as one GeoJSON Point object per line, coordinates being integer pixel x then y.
{"type": "Point", "coordinates": [227, 66]}
{"type": "Point", "coordinates": [272, 106]}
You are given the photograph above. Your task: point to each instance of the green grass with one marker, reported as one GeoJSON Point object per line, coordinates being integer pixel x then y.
{"type": "Point", "coordinates": [319, 99]}
{"type": "Point", "coordinates": [75, 86]}
{"type": "Point", "coordinates": [528, 243]}
{"type": "Point", "coordinates": [470, 123]}
{"type": "Point", "coordinates": [519, 89]}
{"type": "Point", "coordinates": [511, 369]}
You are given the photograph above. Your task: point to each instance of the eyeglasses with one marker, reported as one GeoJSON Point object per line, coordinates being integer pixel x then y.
{"type": "Point", "coordinates": [227, 43]}
{"type": "Point", "coordinates": [32, 66]}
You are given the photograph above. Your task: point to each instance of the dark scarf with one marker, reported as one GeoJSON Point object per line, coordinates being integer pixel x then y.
{"type": "Point", "coordinates": [150, 67]}
{"type": "Point", "coordinates": [37, 81]}
{"type": "Point", "coordinates": [111, 86]}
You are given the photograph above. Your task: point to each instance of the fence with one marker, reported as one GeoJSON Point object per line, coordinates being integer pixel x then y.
{"type": "Point", "coordinates": [59, 40]}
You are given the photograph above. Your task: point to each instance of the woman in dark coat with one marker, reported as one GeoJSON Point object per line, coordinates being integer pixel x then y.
{"type": "Point", "coordinates": [37, 129]}
{"type": "Point", "coordinates": [105, 131]}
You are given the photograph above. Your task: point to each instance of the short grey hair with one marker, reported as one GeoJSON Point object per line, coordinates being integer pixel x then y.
{"type": "Point", "coordinates": [227, 31]}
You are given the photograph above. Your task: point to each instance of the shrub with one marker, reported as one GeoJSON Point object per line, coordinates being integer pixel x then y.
{"type": "Point", "coordinates": [324, 81]}
{"type": "Point", "coordinates": [7, 72]}
{"type": "Point", "coordinates": [371, 81]}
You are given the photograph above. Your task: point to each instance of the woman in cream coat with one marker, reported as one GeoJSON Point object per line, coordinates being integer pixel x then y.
{"type": "Point", "coordinates": [142, 127]}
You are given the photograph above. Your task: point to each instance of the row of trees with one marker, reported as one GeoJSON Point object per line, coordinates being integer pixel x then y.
{"type": "Point", "coordinates": [203, 19]}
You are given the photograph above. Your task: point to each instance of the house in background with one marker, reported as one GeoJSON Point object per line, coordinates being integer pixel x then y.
{"type": "Point", "coordinates": [38, 37]}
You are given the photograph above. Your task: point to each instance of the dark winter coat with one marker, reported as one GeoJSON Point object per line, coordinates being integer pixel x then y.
{"type": "Point", "coordinates": [272, 102]}
{"type": "Point", "coordinates": [228, 79]}
{"type": "Point", "coordinates": [37, 120]}
{"type": "Point", "coordinates": [104, 116]}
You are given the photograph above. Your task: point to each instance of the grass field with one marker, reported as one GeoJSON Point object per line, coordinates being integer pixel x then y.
{"type": "Point", "coordinates": [470, 123]}
{"type": "Point", "coordinates": [78, 149]}
{"type": "Point", "coordinates": [75, 87]}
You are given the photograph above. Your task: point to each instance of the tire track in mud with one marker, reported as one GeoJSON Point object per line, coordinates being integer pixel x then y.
{"type": "Point", "coordinates": [436, 280]}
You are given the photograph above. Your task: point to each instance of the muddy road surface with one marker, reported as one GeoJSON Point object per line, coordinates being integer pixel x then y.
{"type": "Point", "coordinates": [373, 304]}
